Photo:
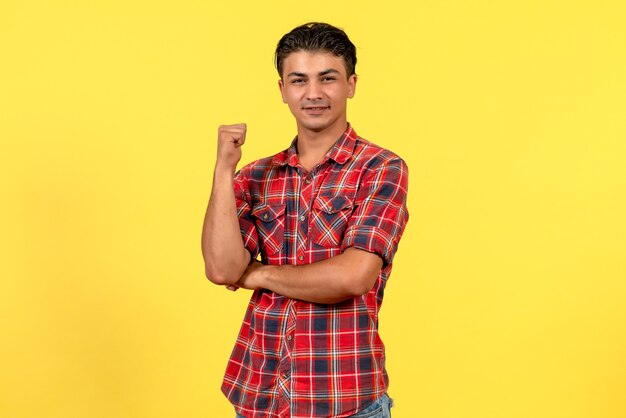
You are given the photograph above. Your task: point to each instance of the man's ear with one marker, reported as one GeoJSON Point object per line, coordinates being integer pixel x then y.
{"type": "Point", "coordinates": [281, 86]}
{"type": "Point", "coordinates": [352, 85]}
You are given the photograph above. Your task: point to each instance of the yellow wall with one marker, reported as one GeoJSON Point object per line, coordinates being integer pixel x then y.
{"type": "Point", "coordinates": [508, 295]}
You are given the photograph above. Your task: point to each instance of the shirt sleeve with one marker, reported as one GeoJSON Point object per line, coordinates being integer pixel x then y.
{"type": "Point", "coordinates": [380, 215]}
{"type": "Point", "coordinates": [246, 222]}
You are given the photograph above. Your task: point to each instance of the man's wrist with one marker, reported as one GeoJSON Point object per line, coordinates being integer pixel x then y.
{"type": "Point", "coordinates": [264, 276]}
{"type": "Point", "coordinates": [222, 170]}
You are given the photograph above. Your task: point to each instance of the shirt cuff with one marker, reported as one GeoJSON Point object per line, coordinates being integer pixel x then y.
{"type": "Point", "coordinates": [371, 239]}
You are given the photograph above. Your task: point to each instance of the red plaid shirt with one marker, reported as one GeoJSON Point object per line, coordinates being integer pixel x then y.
{"type": "Point", "coordinates": [300, 359]}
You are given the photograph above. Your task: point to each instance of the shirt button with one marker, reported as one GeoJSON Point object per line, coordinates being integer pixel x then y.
{"type": "Point", "coordinates": [307, 181]}
{"type": "Point", "coordinates": [301, 258]}
{"type": "Point", "coordinates": [289, 337]}
{"type": "Point", "coordinates": [265, 216]}
{"type": "Point", "coordinates": [302, 218]}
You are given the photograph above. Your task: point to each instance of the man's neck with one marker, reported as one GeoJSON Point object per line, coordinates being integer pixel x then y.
{"type": "Point", "coordinates": [313, 146]}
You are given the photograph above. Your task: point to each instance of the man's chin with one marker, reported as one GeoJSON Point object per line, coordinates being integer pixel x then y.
{"type": "Point", "coordinates": [315, 127]}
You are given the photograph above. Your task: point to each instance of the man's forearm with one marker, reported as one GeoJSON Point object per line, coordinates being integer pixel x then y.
{"type": "Point", "coordinates": [344, 276]}
{"type": "Point", "coordinates": [225, 256]}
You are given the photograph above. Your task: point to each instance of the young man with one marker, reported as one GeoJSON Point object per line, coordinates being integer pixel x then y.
{"type": "Point", "coordinates": [326, 216]}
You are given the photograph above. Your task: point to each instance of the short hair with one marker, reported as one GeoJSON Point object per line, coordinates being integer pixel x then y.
{"type": "Point", "coordinates": [316, 36]}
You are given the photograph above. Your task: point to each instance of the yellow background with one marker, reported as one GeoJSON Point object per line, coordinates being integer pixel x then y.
{"type": "Point", "coordinates": [508, 294]}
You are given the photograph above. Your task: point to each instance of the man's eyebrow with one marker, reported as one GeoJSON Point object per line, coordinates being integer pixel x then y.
{"type": "Point", "coordinates": [329, 71]}
{"type": "Point", "coordinates": [321, 73]}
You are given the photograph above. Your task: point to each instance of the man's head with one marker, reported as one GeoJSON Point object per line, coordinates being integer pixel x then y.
{"type": "Point", "coordinates": [317, 37]}
{"type": "Point", "coordinates": [316, 65]}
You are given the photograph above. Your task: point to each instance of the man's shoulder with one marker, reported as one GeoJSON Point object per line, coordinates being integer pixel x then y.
{"type": "Point", "coordinates": [257, 168]}
{"type": "Point", "coordinates": [374, 155]}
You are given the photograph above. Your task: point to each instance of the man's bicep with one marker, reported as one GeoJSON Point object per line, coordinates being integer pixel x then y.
{"type": "Point", "coordinates": [365, 259]}
{"type": "Point", "coordinates": [364, 268]}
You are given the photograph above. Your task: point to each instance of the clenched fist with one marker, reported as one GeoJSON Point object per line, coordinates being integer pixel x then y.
{"type": "Point", "coordinates": [230, 138]}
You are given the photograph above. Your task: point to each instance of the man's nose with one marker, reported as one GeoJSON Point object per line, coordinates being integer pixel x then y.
{"type": "Point", "coordinates": [314, 90]}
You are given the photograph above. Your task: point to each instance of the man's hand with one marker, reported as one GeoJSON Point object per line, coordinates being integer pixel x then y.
{"type": "Point", "coordinates": [230, 138]}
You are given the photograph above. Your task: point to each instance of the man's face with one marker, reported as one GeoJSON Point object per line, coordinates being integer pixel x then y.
{"type": "Point", "coordinates": [315, 87]}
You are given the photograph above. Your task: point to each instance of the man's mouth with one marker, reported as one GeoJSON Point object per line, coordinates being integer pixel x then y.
{"type": "Point", "coordinates": [315, 109]}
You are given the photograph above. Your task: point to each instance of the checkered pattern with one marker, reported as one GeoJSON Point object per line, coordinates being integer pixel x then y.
{"type": "Point", "coordinates": [299, 359]}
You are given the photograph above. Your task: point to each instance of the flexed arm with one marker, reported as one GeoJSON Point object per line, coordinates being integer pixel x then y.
{"type": "Point", "coordinates": [225, 256]}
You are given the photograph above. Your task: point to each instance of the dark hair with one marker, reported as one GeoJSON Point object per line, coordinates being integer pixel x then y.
{"type": "Point", "coordinates": [317, 36]}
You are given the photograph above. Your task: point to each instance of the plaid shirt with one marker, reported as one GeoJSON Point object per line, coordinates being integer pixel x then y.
{"type": "Point", "coordinates": [299, 359]}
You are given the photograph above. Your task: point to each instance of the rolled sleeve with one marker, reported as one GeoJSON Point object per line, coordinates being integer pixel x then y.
{"type": "Point", "coordinates": [381, 214]}
{"type": "Point", "coordinates": [246, 222]}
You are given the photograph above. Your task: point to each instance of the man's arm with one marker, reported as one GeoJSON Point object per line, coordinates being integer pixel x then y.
{"type": "Point", "coordinates": [225, 255]}
{"type": "Point", "coordinates": [349, 274]}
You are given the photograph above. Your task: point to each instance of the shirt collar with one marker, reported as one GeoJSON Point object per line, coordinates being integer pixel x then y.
{"type": "Point", "coordinates": [340, 152]}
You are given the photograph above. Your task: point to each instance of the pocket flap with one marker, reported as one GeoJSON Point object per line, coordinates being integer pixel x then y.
{"type": "Point", "coordinates": [332, 204]}
{"type": "Point", "coordinates": [267, 212]}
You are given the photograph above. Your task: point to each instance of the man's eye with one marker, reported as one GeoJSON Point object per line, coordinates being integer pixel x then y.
{"type": "Point", "coordinates": [328, 79]}
{"type": "Point", "coordinates": [297, 81]}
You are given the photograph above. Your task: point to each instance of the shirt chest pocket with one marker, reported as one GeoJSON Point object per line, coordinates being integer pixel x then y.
{"type": "Point", "coordinates": [270, 225]}
{"type": "Point", "coordinates": [330, 217]}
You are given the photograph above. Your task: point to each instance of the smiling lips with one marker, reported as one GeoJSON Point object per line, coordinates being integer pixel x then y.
{"type": "Point", "coordinates": [315, 109]}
